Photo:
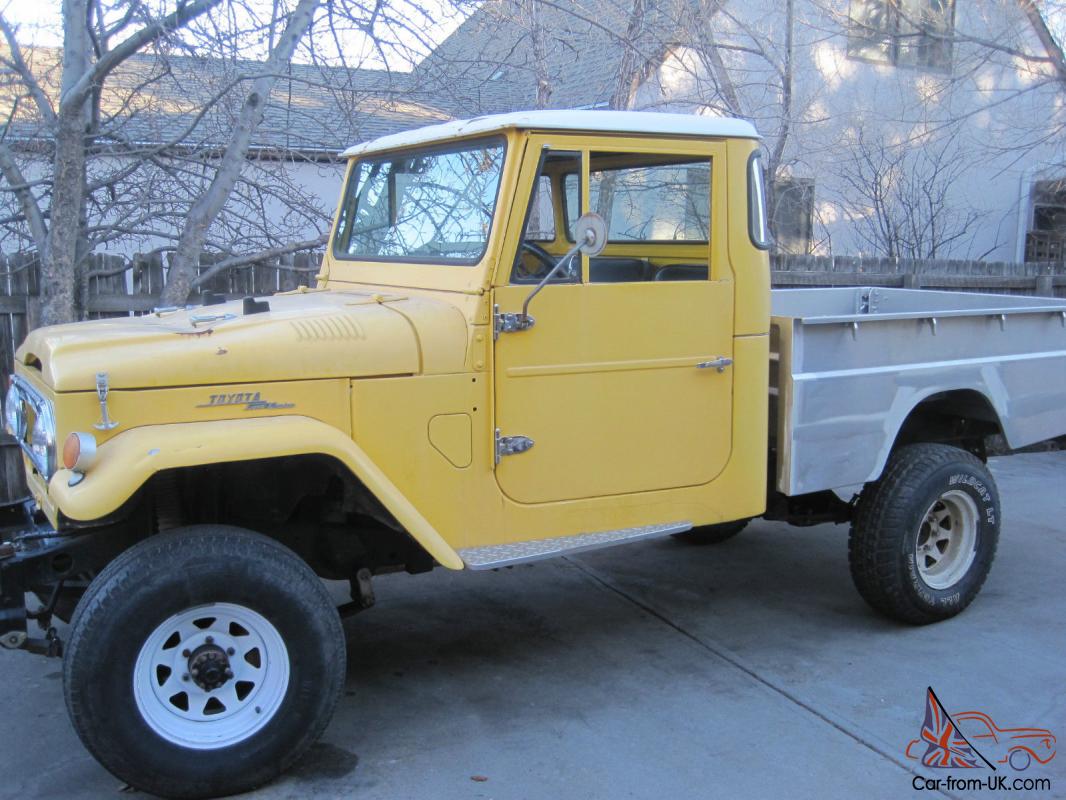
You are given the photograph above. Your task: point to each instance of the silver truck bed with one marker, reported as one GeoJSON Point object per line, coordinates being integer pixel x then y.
{"type": "Point", "coordinates": [849, 365]}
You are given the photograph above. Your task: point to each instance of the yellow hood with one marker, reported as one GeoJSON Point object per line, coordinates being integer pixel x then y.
{"type": "Point", "coordinates": [326, 334]}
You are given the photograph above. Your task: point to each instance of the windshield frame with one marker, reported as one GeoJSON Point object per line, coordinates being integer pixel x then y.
{"type": "Point", "coordinates": [338, 252]}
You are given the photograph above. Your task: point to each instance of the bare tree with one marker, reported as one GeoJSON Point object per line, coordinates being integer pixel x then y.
{"type": "Point", "coordinates": [745, 64]}
{"type": "Point", "coordinates": [731, 62]}
{"type": "Point", "coordinates": [207, 207]}
{"type": "Point", "coordinates": [88, 58]}
{"type": "Point", "coordinates": [619, 47]}
{"type": "Point", "coordinates": [635, 67]}
{"type": "Point", "coordinates": [539, 43]}
{"type": "Point", "coordinates": [148, 128]}
{"type": "Point", "coordinates": [899, 201]}
{"type": "Point", "coordinates": [206, 181]}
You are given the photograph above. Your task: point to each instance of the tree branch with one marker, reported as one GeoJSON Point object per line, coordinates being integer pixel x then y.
{"type": "Point", "coordinates": [1043, 33]}
{"type": "Point", "coordinates": [252, 258]}
{"type": "Point", "coordinates": [184, 14]}
{"type": "Point", "coordinates": [18, 63]}
{"type": "Point", "coordinates": [28, 203]}
{"type": "Point", "coordinates": [208, 205]}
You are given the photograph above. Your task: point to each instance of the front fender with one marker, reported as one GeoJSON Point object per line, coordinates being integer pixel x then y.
{"type": "Point", "coordinates": [126, 461]}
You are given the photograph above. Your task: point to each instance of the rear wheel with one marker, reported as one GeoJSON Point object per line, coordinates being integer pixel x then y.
{"type": "Point", "coordinates": [203, 662]}
{"type": "Point", "coordinates": [925, 534]}
{"type": "Point", "coordinates": [713, 534]}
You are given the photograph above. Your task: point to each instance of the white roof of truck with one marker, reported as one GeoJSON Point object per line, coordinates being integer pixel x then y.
{"type": "Point", "coordinates": [597, 121]}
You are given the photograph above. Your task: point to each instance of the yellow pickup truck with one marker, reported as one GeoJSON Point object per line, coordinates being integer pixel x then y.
{"type": "Point", "coordinates": [532, 334]}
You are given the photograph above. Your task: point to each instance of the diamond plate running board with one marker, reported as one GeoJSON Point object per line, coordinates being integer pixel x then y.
{"type": "Point", "coordinates": [502, 555]}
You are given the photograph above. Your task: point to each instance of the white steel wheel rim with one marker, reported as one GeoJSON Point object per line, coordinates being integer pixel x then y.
{"type": "Point", "coordinates": [947, 540]}
{"type": "Point", "coordinates": [192, 711]}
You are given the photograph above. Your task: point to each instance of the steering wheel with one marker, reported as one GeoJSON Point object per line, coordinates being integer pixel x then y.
{"type": "Point", "coordinates": [546, 259]}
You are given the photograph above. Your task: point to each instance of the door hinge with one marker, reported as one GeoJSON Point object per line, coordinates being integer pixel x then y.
{"type": "Point", "coordinates": [511, 445]}
{"type": "Point", "coordinates": [509, 322]}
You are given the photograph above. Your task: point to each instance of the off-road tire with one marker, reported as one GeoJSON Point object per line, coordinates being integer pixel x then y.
{"type": "Point", "coordinates": [712, 534]}
{"type": "Point", "coordinates": [886, 525]}
{"type": "Point", "coordinates": [167, 574]}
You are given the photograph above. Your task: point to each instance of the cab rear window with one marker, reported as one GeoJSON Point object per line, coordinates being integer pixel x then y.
{"type": "Point", "coordinates": [648, 202]}
{"type": "Point", "coordinates": [758, 229]}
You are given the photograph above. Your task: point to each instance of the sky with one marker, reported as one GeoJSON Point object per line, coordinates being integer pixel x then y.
{"type": "Point", "coordinates": [39, 24]}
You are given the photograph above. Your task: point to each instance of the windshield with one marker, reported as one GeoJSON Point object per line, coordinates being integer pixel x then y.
{"type": "Point", "coordinates": [433, 207]}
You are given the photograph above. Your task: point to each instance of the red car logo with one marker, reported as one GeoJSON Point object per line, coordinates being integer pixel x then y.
{"type": "Point", "coordinates": [966, 739]}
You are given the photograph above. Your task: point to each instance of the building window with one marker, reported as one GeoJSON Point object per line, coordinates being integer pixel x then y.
{"type": "Point", "coordinates": [1046, 240]}
{"type": "Point", "coordinates": [792, 215]}
{"type": "Point", "coordinates": [906, 33]}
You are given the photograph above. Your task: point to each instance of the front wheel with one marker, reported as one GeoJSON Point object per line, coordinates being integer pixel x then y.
{"type": "Point", "coordinates": [203, 662]}
{"type": "Point", "coordinates": [925, 534]}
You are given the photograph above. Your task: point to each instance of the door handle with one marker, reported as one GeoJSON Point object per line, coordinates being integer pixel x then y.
{"type": "Point", "coordinates": [717, 363]}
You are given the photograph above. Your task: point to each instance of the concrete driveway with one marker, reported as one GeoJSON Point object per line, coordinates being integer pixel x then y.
{"type": "Point", "coordinates": [656, 670]}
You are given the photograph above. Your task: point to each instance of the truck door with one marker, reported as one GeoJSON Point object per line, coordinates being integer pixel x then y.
{"type": "Point", "coordinates": [623, 384]}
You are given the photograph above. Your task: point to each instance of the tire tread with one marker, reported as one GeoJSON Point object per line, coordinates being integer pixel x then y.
{"type": "Point", "coordinates": [115, 582]}
{"type": "Point", "coordinates": [880, 518]}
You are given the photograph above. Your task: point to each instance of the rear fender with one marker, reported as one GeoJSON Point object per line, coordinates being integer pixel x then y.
{"type": "Point", "coordinates": [124, 463]}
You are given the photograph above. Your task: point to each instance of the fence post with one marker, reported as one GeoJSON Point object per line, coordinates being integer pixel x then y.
{"type": "Point", "coordinates": [1045, 282]}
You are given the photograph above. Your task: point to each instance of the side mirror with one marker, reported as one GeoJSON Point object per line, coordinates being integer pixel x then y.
{"type": "Point", "coordinates": [591, 234]}
{"type": "Point", "coordinates": [590, 237]}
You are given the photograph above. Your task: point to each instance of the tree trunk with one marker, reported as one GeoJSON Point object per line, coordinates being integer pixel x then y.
{"type": "Point", "coordinates": [775, 169]}
{"type": "Point", "coordinates": [1046, 37]}
{"type": "Point", "coordinates": [634, 68]}
{"type": "Point", "coordinates": [712, 58]}
{"type": "Point", "coordinates": [59, 266]}
{"type": "Point", "coordinates": [785, 128]}
{"type": "Point", "coordinates": [186, 257]}
{"type": "Point", "coordinates": [540, 61]}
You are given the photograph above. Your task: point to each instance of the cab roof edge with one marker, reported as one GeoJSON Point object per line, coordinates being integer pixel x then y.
{"type": "Point", "coordinates": [637, 122]}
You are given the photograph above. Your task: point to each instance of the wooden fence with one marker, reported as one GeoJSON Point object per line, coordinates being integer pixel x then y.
{"type": "Point", "coordinates": [133, 286]}
{"type": "Point", "coordinates": [1047, 279]}
{"type": "Point", "coordinates": [127, 286]}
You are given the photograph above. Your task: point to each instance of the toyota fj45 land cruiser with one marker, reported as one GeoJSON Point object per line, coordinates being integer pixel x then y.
{"type": "Point", "coordinates": [532, 334]}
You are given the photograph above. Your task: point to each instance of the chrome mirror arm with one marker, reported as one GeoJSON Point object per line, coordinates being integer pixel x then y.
{"type": "Point", "coordinates": [569, 256]}
{"type": "Point", "coordinates": [591, 236]}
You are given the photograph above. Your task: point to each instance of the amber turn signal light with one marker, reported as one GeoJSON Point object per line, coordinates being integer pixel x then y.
{"type": "Point", "coordinates": [79, 450]}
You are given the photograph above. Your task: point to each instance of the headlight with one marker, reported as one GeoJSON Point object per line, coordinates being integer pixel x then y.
{"type": "Point", "coordinates": [14, 413]}
{"type": "Point", "coordinates": [43, 441]}
{"type": "Point", "coordinates": [41, 447]}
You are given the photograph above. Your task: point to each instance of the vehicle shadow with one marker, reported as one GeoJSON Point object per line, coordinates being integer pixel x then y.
{"type": "Point", "coordinates": [557, 639]}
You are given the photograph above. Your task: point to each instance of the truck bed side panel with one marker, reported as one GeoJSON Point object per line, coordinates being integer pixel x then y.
{"type": "Point", "coordinates": [842, 384]}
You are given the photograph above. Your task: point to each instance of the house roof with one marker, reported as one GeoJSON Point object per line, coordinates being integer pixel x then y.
{"type": "Point", "coordinates": [600, 121]}
{"type": "Point", "coordinates": [313, 110]}
{"type": "Point", "coordinates": [490, 64]}
{"type": "Point", "coordinates": [487, 64]}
